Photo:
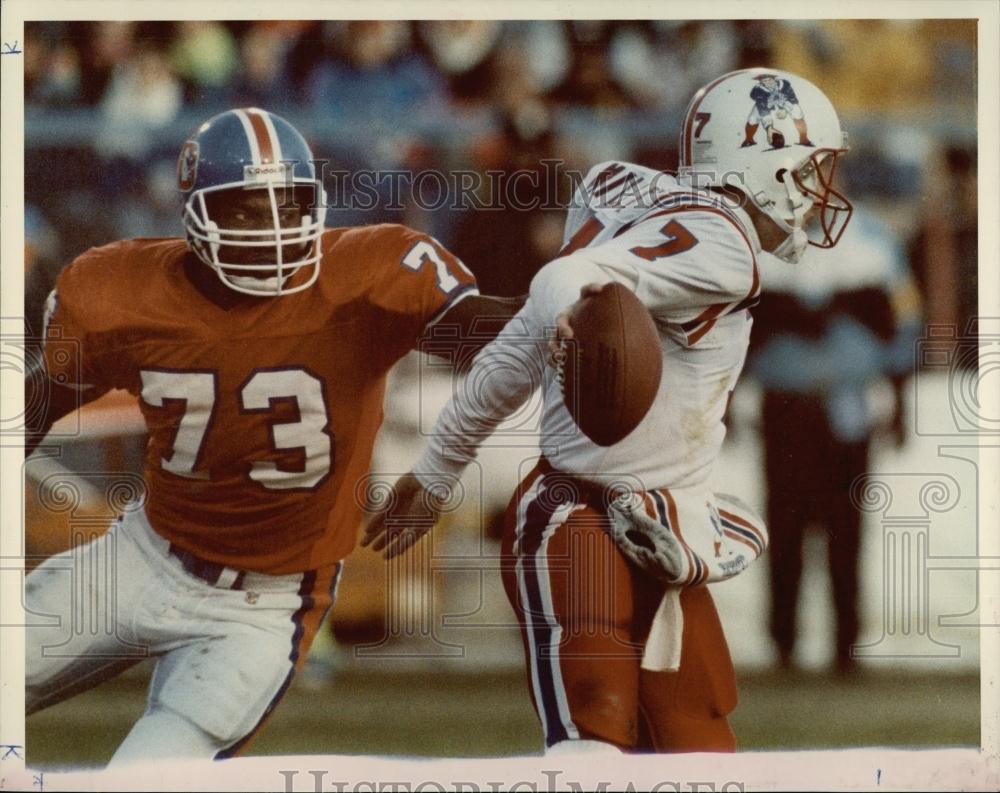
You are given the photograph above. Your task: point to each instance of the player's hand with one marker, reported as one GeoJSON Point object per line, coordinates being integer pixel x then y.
{"type": "Point", "coordinates": [411, 511]}
{"type": "Point", "coordinates": [563, 329]}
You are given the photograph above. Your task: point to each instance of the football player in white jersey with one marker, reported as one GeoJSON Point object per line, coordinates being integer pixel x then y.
{"type": "Point", "coordinates": [607, 550]}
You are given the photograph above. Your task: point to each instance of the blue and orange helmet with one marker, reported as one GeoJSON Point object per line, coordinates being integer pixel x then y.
{"type": "Point", "coordinates": [252, 149]}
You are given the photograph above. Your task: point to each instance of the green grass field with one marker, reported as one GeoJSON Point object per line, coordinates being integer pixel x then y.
{"type": "Point", "coordinates": [491, 715]}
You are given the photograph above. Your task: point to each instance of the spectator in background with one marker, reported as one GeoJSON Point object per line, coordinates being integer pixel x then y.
{"type": "Point", "coordinates": [464, 52]}
{"type": "Point", "coordinates": [51, 66]}
{"type": "Point", "coordinates": [756, 42]}
{"type": "Point", "coordinates": [104, 48]}
{"type": "Point", "coordinates": [827, 329]}
{"type": "Point", "coordinates": [143, 94]}
{"type": "Point", "coordinates": [894, 56]}
{"type": "Point", "coordinates": [373, 75]}
{"type": "Point", "coordinates": [204, 55]}
{"type": "Point", "coordinates": [944, 249]}
{"type": "Point", "coordinates": [37, 46]}
{"type": "Point", "coordinates": [662, 63]}
{"type": "Point", "coordinates": [42, 264]}
{"type": "Point", "coordinates": [506, 245]}
{"type": "Point", "coordinates": [263, 80]}
{"type": "Point", "coordinates": [589, 80]}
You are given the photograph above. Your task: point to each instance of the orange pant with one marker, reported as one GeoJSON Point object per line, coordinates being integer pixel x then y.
{"type": "Point", "coordinates": [585, 613]}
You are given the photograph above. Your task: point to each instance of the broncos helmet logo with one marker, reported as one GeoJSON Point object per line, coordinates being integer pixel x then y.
{"type": "Point", "coordinates": [187, 166]}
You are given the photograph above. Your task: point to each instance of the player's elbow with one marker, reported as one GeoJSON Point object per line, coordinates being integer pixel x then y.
{"type": "Point", "coordinates": [45, 402]}
{"type": "Point", "coordinates": [557, 285]}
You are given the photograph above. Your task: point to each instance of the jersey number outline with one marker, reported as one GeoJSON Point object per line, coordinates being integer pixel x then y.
{"type": "Point", "coordinates": [701, 119]}
{"type": "Point", "coordinates": [679, 240]}
{"type": "Point", "coordinates": [423, 253]}
{"type": "Point", "coordinates": [584, 235]}
{"type": "Point", "coordinates": [197, 391]}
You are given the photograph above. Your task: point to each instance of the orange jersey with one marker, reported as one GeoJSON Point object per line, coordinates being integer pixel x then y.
{"type": "Point", "coordinates": [261, 416]}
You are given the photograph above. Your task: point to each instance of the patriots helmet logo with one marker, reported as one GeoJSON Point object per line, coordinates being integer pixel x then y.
{"type": "Point", "coordinates": [187, 165]}
{"type": "Point", "coordinates": [774, 102]}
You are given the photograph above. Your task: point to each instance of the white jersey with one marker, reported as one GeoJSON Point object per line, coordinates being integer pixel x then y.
{"type": "Point", "coordinates": [692, 260]}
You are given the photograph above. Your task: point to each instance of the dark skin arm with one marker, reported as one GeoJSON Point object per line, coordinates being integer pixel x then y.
{"type": "Point", "coordinates": [468, 326]}
{"type": "Point", "coordinates": [58, 401]}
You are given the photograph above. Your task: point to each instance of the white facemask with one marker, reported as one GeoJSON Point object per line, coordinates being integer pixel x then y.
{"type": "Point", "coordinates": [793, 247]}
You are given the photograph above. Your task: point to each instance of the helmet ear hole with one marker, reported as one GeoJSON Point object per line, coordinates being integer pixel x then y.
{"type": "Point", "coordinates": [780, 174]}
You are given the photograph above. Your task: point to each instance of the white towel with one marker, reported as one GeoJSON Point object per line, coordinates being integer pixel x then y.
{"type": "Point", "coordinates": [663, 647]}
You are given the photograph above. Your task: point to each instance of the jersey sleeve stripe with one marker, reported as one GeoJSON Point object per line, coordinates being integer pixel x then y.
{"type": "Point", "coordinates": [754, 292]}
{"type": "Point", "coordinates": [456, 296]}
{"type": "Point", "coordinates": [704, 322]}
{"type": "Point", "coordinates": [608, 187]}
{"type": "Point", "coordinates": [583, 237]}
{"type": "Point", "coordinates": [606, 174]}
{"type": "Point", "coordinates": [747, 302]}
{"type": "Point", "coordinates": [712, 312]}
{"type": "Point", "coordinates": [693, 338]}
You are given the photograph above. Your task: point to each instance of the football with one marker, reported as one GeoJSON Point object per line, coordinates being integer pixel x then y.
{"type": "Point", "coordinates": [612, 366]}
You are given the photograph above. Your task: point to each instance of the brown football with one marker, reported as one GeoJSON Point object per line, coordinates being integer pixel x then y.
{"type": "Point", "coordinates": [613, 364]}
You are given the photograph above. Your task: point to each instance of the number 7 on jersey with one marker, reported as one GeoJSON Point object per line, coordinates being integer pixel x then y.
{"type": "Point", "coordinates": [424, 253]}
{"type": "Point", "coordinates": [679, 239]}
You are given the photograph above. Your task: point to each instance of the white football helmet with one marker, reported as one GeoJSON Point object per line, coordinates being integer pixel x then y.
{"type": "Point", "coordinates": [775, 138]}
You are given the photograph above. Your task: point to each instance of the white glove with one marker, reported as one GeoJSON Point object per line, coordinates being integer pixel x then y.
{"type": "Point", "coordinates": [649, 544]}
{"type": "Point", "coordinates": [720, 537]}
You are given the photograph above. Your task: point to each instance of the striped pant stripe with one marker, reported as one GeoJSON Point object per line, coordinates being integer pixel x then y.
{"type": "Point", "coordinates": [536, 524]}
{"type": "Point", "coordinates": [306, 623]}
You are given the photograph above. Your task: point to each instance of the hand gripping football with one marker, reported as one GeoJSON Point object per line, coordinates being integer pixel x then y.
{"type": "Point", "coordinates": [612, 365]}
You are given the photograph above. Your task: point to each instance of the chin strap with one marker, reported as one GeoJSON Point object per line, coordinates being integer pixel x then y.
{"type": "Point", "coordinates": [265, 286]}
{"type": "Point", "coordinates": [793, 247]}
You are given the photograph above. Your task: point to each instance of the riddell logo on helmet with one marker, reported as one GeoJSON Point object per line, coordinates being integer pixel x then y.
{"type": "Point", "coordinates": [269, 172]}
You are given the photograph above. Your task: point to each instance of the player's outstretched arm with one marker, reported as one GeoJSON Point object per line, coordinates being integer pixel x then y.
{"type": "Point", "coordinates": [474, 322]}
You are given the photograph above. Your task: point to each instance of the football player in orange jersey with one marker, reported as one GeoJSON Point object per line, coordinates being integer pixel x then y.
{"type": "Point", "coordinates": [258, 348]}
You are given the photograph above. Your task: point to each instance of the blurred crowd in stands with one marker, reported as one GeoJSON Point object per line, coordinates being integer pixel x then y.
{"type": "Point", "coordinates": [109, 103]}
